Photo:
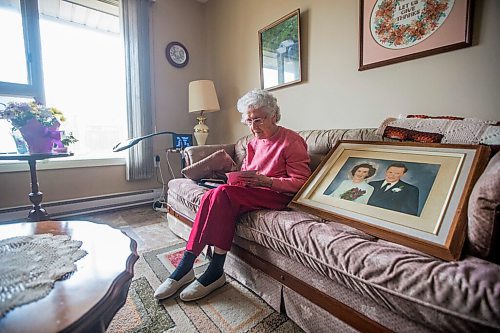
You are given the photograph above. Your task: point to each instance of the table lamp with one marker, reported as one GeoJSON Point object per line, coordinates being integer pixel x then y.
{"type": "Point", "coordinates": [202, 98]}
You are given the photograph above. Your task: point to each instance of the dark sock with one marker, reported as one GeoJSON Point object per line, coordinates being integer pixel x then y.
{"type": "Point", "coordinates": [184, 266]}
{"type": "Point", "coordinates": [214, 271]}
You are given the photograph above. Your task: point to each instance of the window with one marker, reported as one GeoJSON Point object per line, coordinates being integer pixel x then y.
{"type": "Point", "coordinates": [81, 57]}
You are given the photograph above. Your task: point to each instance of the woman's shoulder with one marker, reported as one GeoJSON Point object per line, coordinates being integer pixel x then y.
{"type": "Point", "coordinates": [289, 132]}
{"type": "Point", "coordinates": [291, 135]}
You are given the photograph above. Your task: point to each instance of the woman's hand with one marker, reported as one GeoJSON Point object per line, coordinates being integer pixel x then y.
{"type": "Point", "coordinates": [255, 180]}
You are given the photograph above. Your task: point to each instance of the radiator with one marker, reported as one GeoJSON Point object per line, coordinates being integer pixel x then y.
{"type": "Point", "coordinates": [79, 206]}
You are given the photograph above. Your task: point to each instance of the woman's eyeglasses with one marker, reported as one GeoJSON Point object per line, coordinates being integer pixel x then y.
{"type": "Point", "coordinates": [255, 121]}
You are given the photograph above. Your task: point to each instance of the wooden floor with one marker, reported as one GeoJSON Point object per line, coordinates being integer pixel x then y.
{"type": "Point", "coordinates": [128, 217]}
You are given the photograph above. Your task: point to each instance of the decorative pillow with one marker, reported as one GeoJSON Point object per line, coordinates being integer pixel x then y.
{"type": "Point", "coordinates": [411, 135]}
{"type": "Point", "coordinates": [453, 129]}
{"type": "Point", "coordinates": [212, 166]}
{"type": "Point", "coordinates": [423, 116]}
{"type": "Point", "coordinates": [484, 213]}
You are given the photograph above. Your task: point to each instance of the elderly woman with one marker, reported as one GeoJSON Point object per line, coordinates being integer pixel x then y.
{"type": "Point", "coordinates": [279, 157]}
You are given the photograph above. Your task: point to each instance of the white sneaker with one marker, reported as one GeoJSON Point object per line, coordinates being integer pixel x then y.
{"type": "Point", "coordinates": [196, 290]}
{"type": "Point", "coordinates": [171, 286]}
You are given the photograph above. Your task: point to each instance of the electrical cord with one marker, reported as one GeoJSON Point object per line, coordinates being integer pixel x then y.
{"type": "Point", "coordinates": [159, 203]}
{"type": "Point", "coordinates": [168, 162]}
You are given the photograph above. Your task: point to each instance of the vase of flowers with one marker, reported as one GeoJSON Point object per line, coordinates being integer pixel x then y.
{"type": "Point", "coordinates": [38, 124]}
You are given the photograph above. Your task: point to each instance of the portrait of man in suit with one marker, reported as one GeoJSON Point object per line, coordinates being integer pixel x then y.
{"type": "Point", "coordinates": [393, 193]}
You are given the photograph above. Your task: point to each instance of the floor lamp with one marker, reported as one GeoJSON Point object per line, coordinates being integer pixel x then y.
{"type": "Point", "coordinates": [202, 98]}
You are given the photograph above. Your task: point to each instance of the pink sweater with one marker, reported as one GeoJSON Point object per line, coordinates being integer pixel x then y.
{"type": "Point", "coordinates": [283, 157]}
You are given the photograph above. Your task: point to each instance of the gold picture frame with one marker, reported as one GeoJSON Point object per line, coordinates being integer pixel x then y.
{"type": "Point", "coordinates": [439, 176]}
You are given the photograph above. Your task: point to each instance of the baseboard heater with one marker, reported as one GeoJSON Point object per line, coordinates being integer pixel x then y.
{"type": "Point", "coordinates": [66, 208]}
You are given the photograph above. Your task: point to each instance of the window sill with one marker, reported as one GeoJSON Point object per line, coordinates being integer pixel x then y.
{"type": "Point", "coordinates": [66, 163]}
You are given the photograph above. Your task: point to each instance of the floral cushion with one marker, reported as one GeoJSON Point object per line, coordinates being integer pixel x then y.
{"type": "Point", "coordinates": [212, 166]}
{"type": "Point", "coordinates": [423, 116]}
{"type": "Point", "coordinates": [484, 213]}
{"type": "Point", "coordinates": [405, 134]}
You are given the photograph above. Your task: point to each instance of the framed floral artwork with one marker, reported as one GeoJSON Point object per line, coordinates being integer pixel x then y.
{"type": "Point", "coordinates": [392, 31]}
{"type": "Point", "coordinates": [410, 193]}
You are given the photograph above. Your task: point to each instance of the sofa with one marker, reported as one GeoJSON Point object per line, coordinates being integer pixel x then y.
{"type": "Point", "coordinates": [329, 277]}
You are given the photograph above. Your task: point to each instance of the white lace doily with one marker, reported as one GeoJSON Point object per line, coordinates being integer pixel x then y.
{"type": "Point", "coordinates": [29, 266]}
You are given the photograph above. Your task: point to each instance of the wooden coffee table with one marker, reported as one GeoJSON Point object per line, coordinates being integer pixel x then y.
{"type": "Point", "coordinates": [91, 296]}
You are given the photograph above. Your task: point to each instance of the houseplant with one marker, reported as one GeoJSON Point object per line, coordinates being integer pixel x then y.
{"type": "Point", "coordinates": [66, 140]}
{"type": "Point", "coordinates": [38, 124]}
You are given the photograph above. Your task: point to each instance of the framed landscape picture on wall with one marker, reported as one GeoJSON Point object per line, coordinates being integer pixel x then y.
{"type": "Point", "coordinates": [279, 52]}
{"type": "Point", "coordinates": [392, 31]}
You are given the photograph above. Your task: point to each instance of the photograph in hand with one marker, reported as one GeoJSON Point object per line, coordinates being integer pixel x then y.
{"type": "Point", "coordinates": [238, 177]}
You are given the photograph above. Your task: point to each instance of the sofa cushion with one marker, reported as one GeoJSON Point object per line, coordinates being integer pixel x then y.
{"type": "Point", "coordinates": [461, 296]}
{"type": "Point", "coordinates": [212, 166]}
{"type": "Point", "coordinates": [184, 196]}
{"type": "Point", "coordinates": [405, 134]}
{"type": "Point", "coordinates": [194, 154]}
{"type": "Point", "coordinates": [484, 213]}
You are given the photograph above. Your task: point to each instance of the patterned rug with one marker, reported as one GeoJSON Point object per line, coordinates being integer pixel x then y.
{"type": "Point", "coordinates": [232, 308]}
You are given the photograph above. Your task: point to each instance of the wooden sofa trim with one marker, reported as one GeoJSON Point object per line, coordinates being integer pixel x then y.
{"type": "Point", "coordinates": [341, 311]}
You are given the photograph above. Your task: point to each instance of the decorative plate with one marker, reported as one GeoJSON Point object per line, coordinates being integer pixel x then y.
{"type": "Point", "coordinates": [177, 54]}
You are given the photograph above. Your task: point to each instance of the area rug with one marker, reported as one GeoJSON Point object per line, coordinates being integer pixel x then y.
{"type": "Point", "coordinates": [232, 308]}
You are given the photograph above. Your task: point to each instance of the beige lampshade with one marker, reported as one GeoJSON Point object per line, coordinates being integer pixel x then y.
{"type": "Point", "coordinates": [202, 96]}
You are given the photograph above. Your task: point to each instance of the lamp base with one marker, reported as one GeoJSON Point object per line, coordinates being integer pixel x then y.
{"type": "Point", "coordinates": [201, 131]}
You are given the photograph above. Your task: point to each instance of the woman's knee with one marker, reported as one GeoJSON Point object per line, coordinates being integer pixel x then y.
{"type": "Point", "coordinates": [226, 190]}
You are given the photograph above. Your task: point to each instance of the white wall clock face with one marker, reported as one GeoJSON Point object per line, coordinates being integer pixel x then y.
{"type": "Point", "coordinates": [177, 54]}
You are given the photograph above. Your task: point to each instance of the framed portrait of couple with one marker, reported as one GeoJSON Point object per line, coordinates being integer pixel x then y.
{"type": "Point", "coordinates": [410, 193]}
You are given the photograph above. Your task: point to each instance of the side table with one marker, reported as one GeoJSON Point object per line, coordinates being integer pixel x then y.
{"type": "Point", "coordinates": [89, 298]}
{"type": "Point", "coordinates": [37, 213]}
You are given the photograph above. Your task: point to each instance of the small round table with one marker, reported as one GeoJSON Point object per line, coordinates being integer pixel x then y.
{"type": "Point", "coordinates": [37, 213]}
{"type": "Point", "coordinates": [89, 298]}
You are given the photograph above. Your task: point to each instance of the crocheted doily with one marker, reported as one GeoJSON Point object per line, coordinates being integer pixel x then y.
{"type": "Point", "coordinates": [29, 266]}
{"type": "Point", "coordinates": [467, 130]}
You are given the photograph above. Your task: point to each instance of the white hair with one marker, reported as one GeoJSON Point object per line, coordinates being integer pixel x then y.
{"type": "Point", "coordinates": [257, 99]}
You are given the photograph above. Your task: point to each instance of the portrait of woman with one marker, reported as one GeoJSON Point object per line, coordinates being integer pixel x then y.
{"type": "Point", "coordinates": [355, 188]}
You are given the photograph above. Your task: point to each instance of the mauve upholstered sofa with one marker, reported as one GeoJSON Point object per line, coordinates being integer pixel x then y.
{"type": "Point", "coordinates": [329, 277]}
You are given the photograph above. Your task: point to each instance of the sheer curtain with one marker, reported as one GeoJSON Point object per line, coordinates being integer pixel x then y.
{"type": "Point", "coordinates": [136, 16]}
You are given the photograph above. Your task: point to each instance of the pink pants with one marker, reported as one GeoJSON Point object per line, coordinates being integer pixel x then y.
{"type": "Point", "coordinates": [220, 207]}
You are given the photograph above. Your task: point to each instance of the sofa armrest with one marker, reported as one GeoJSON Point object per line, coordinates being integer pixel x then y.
{"type": "Point", "coordinates": [195, 153]}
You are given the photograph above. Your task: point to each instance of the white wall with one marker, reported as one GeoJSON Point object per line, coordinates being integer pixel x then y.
{"type": "Point", "coordinates": [221, 37]}
{"type": "Point", "coordinates": [334, 94]}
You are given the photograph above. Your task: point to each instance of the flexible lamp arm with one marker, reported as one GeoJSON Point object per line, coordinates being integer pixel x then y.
{"type": "Point", "coordinates": [132, 142]}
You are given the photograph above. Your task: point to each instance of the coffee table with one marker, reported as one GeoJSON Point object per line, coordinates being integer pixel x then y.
{"type": "Point", "coordinates": [91, 296]}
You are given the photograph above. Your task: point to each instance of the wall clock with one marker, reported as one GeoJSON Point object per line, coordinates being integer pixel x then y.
{"type": "Point", "coordinates": [177, 54]}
